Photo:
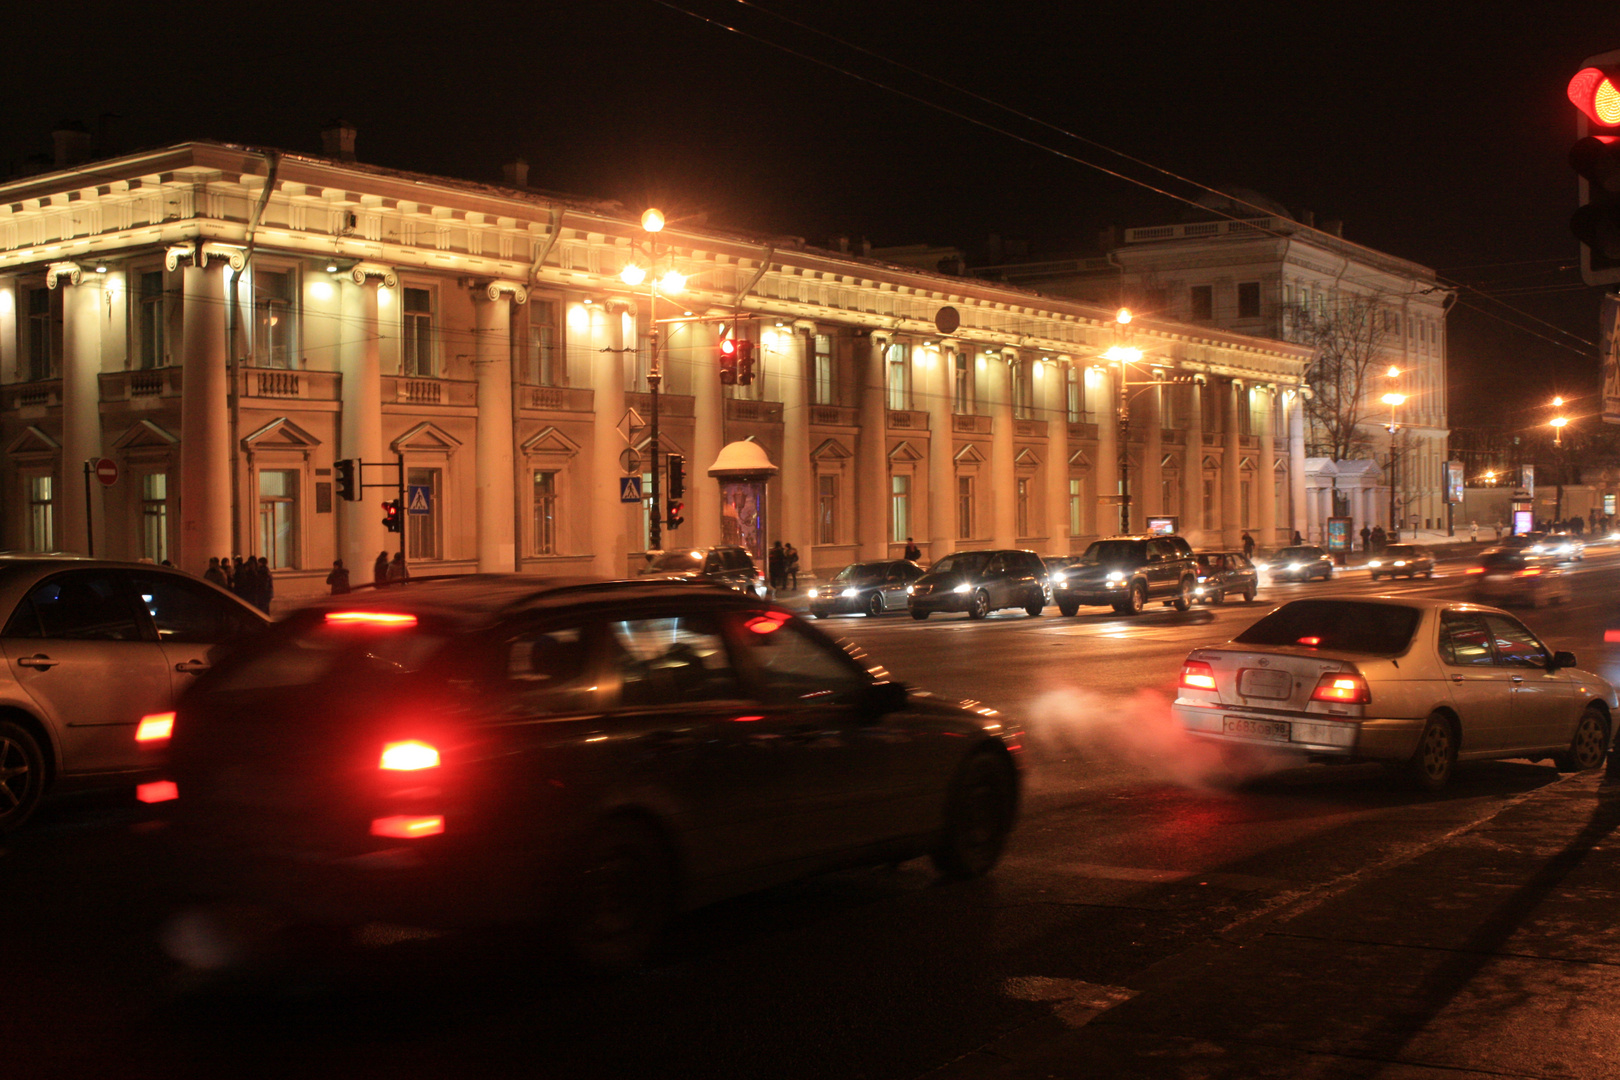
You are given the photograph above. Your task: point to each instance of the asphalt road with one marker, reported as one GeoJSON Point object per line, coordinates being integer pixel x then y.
{"type": "Point", "coordinates": [1129, 856]}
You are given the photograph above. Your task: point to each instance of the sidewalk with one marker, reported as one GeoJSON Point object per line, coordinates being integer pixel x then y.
{"type": "Point", "coordinates": [1490, 953]}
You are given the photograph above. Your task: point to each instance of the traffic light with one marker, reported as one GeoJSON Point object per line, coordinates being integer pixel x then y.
{"type": "Point", "coordinates": [677, 476]}
{"type": "Point", "coordinates": [391, 515]}
{"type": "Point", "coordinates": [1595, 91]}
{"type": "Point", "coordinates": [728, 362]}
{"type": "Point", "coordinates": [345, 470]}
{"type": "Point", "coordinates": [672, 516]}
{"type": "Point", "coordinates": [745, 362]}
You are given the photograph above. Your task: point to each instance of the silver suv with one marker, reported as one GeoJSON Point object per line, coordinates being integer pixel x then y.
{"type": "Point", "coordinates": [1126, 572]}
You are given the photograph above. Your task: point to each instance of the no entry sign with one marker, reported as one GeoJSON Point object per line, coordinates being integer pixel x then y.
{"type": "Point", "coordinates": [107, 471]}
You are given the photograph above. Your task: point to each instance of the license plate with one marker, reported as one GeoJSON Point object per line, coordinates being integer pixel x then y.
{"type": "Point", "coordinates": [1256, 729]}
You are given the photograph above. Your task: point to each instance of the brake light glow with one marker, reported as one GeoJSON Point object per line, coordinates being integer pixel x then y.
{"type": "Point", "coordinates": [1530, 571]}
{"type": "Point", "coordinates": [1342, 689]}
{"type": "Point", "coordinates": [156, 727]}
{"type": "Point", "coordinates": [392, 619]}
{"type": "Point", "coordinates": [766, 624]}
{"type": "Point", "coordinates": [157, 791]}
{"type": "Point", "coordinates": [407, 826]}
{"type": "Point", "coordinates": [409, 756]}
{"type": "Point", "coordinates": [1475, 570]}
{"type": "Point", "coordinates": [1197, 675]}
{"type": "Point", "coordinates": [1313, 641]}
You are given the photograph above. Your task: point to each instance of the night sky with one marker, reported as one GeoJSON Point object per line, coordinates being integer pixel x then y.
{"type": "Point", "coordinates": [1437, 132]}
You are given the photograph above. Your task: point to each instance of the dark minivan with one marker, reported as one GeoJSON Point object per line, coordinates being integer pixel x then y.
{"type": "Point", "coordinates": [979, 582]}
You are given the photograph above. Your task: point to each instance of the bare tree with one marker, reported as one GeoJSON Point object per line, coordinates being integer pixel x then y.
{"type": "Point", "coordinates": [1349, 336]}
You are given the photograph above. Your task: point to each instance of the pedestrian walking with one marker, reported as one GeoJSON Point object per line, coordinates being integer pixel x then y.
{"type": "Point", "coordinates": [1366, 538]}
{"type": "Point", "coordinates": [266, 585]}
{"type": "Point", "coordinates": [776, 566]}
{"type": "Point", "coordinates": [397, 572]}
{"type": "Point", "coordinates": [1298, 539]}
{"type": "Point", "coordinates": [1473, 532]}
{"type": "Point", "coordinates": [1248, 545]}
{"type": "Point", "coordinates": [242, 581]}
{"type": "Point", "coordinates": [225, 569]}
{"type": "Point", "coordinates": [913, 552]}
{"type": "Point", "coordinates": [1378, 538]}
{"type": "Point", "coordinates": [214, 573]}
{"type": "Point", "coordinates": [1499, 529]}
{"type": "Point", "coordinates": [379, 570]}
{"type": "Point", "coordinates": [791, 564]}
{"type": "Point", "coordinates": [338, 578]}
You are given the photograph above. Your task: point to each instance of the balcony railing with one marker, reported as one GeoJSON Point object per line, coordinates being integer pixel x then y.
{"type": "Point", "coordinates": [758, 412]}
{"type": "Point", "coordinates": [147, 383]}
{"type": "Point", "coordinates": [1030, 428]}
{"type": "Point", "coordinates": [908, 419]}
{"type": "Point", "coordinates": [681, 405]}
{"type": "Point", "coordinates": [558, 398]}
{"type": "Point", "coordinates": [833, 415]}
{"type": "Point", "coordinates": [970, 424]}
{"type": "Point", "coordinates": [1078, 430]}
{"type": "Point", "coordinates": [418, 390]}
{"type": "Point", "coordinates": [284, 383]}
{"type": "Point", "coordinates": [33, 395]}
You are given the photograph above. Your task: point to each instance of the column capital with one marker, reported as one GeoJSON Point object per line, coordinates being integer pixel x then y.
{"type": "Point", "coordinates": [882, 337]}
{"type": "Point", "coordinates": [385, 275]}
{"type": "Point", "coordinates": [58, 269]}
{"type": "Point", "coordinates": [494, 289]}
{"type": "Point", "coordinates": [807, 325]}
{"type": "Point", "coordinates": [199, 252]}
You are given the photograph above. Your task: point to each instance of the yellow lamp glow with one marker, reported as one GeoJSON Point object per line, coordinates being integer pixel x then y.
{"type": "Point", "coordinates": [652, 220]}
{"type": "Point", "coordinates": [632, 274]}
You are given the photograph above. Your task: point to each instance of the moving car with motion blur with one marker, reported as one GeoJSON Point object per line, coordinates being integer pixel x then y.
{"type": "Point", "coordinates": [1300, 563]}
{"type": "Point", "coordinates": [1563, 546]}
{"type": "Point", "coordinates": [1418, 684]}
{"type": "Point", "coordinates": [725, 564]}
{"type": "Point", "coordinates": [597, 755]}
{"type": "Point", "coordinates": [871, 588]}
{"type": "Point", "coordinates": [979, 582]}
{"type": "Point", "coordinates": [1224, 573]}
{"type": "Point", "coordinates": [1401, 560]}
{"type": "Point", "coordinates": [1518, 576]}
{"type": "Point", "coordinates": [1125, 572]}
{"type": "Point", "coordinates": [92, 648]}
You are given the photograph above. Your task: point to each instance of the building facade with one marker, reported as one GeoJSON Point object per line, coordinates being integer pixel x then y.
{"type": "Point", "coordinates": [224, 323]}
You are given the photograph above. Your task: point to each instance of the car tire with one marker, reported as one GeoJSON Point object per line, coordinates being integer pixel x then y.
{"type": "Point", "coordinates": [979, 607]}
{"type": "Point", "coordinates": [1135, 599]}
{"type": "Point", "coordinates": [621, 895]}
{"type": "Point", "coordinates": [22, 775]}
{"type": "Point", "coordinates": [1248, 595]}
{"type": "Point", "coordinates": [1589, 744]}
{"type": "Point", "coordinates": [1217, 597]}
{"type": "Point", "coordinates": [1183, 597]}
{"type": "Point", "coordinates": [1035, 607]}
{"type": "Point", "coordinates": [874, 606]}
{"type": "Point", "coordinates": [1429, 768]}
{"type": "Point", "coordinates": [817, 615]}
{"type": "Point", "coordinates": [1373, 576]}
{"type": "Point", "coordinates": [1068, 609]}
{"type": "Point", "coordinates": [979, 815]}
{"type": "Point", "coordinates": [920, 615]}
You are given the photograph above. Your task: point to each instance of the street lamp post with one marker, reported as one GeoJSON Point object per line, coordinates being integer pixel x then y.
{"type": "Point", "coordinates": [1393, 401]}
{"type": "Point", "coordinates": [1123, 356]}
{"type": "Point", "coordinates": [1558, 424]}
{"type": "Point", "coordinates": [652, 222]}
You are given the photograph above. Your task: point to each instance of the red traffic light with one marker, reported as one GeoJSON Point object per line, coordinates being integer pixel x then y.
{"type": "Point", "coordinates": [728, 362]}
{"type": "Point", "coordinates": [745, 362]}
{"type": "Point", "coordinates": [391, 515]}
{"type": "Point", "coordinates": [1596, 92]}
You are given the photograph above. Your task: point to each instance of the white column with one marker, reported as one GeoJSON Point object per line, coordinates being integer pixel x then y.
{"type": "Point", "coordinates": [1231, 491]}
{"type": "Point", "coordinates": [941, 537]}
{"type": "Point", "coordinates": [1296, 459]}
{"type": "Point", "coordinates": [1106, 468]}
{"type": "Point", "coordinates": [1151, 500]}
{"type": "Point", "coordinates": [611, 539]}
{"type": "Point", "coordinates": [492, 361]}
{"type": "Point", "coordinates": [205, 436]}
{"type": "Point", "coordinates": [1057, 457]}
{"type": "Point", "coordinates": [708, 436]}
{"type": "Point", "coordinates": [81, 419]}
{"type": "Point", "coordinates": [796, 516]}
{"type": "Point", "coordinates": [361, 437]}
{"type": "Point", "coordinates": [1192, 468]}
{"type": "Point", "coordinates": [872, 456]}
{"type": "Point", "coordinates": [1003, 476]}
{"type": "Point", "coordinates": [1266, 486]}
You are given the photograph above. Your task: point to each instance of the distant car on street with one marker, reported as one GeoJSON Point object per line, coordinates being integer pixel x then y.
{"type": "Point", "coordinates": [1518, 576]}
{"type": "Point", "coordinates": [1401, 560]}
{"type": "Point", "coordinates": [1415, 683]}
{"type": "Point", "coordinates": [1222, 574]}
{"type": "Point", "coordinates": [979, 582]}
{"type": "Point", "coordinates": [871, 588]}
{"type": "Point", "coordinates": [1126, 572]}
{"type": "Point", "coordinates": [1300, 563]}
{"type": "Point", "coordinates": [725, 564]}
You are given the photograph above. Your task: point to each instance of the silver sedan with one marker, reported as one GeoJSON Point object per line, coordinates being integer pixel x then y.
{"type": "Point", "coordinates": [1411, 682]}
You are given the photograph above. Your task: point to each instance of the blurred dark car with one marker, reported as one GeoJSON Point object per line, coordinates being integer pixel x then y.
{"type": "Point", "coordinates": [1300, 563]}
{"type": "Point", "coordinates": [725, 564]}
{"type": "Point", "coordinates": [1222, 574]}
{"type": "Point", "coordinates": [597, 755]}
{"type": "Point", "coordinates": [1563, 546]}
{"type": "Point", "coordinates": [1128, 571]}
{"type": "Point", "coordinates": [1516, 575]}
{"type": "Point", "coordinates": [93, 648]}
{"type": "Point", "coordinates": [1398, 560]}
{"type": "Point", "coordinates": [979, 582]}
{"type": "Point", "coordinates": [872, 587]}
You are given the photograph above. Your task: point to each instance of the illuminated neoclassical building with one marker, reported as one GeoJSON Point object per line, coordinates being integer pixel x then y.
{"type": "Point", "coordinates": [224, 323]}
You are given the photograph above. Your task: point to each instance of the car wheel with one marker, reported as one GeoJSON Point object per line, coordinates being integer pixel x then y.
{"type": "Point", "coordinates": [621, 897]}
{"type": "Point", "coordinates": [1430, 765]}
{"type": "Point", "coordinates": [978, 816]}
{"type": "Point", "coordinates": [1586, 749]}
{"type": "Point", "coordinates": [1037, 605]}
{"type": "Point", "coordinates": [1183, 599]}
{"type": "Point", "coordinates": [1248, 595]}
{"type": "Point", "coordinates": [1068, 609]}
{"type": "Point", "coordinates": [1217, 597]}
{"type": "Point", "coordinates": [1373, 576]}
{"type": "Point", "coordinates": [919, 615]}
{"type": "Point", "coordinates": [874, 605]}
{"type": "Point", "coordinates": [979, 606]}
{"type": "Point", "coordinates": [22, 775]}
{"type": "Point", "coordinates": [1134, 600]}
{"type": "Point", "coordinates": [817, 615]}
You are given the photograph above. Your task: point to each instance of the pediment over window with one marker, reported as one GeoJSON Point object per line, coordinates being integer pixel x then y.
{"type": "Point", "coordinates": [1026, 459]}
{"type": "Point", "coordinates": [548, 440]}
{"type": "Point", "coordinates": [905, 452]}
{"type": "Point", "coordinates": [280, 434]}
{"type": "Point", "coordinates": [1079, 458]}
{"type": "Point", "coordinates": [33, 441]}
{"type": "Point", "coordinates": [144, 433]}
{"type": "Point", "coordinates": [1171, 462]}
{"type": "Point", "coordinates": [666, 445]}
{"type": "Point", "coordinates": [831, 450]}
{"type": "Point", "coordinates": [1246, 463]}
{"type": "Point", "coordinates": [426, 437]}
{"type": "Point", "coordinates": [1212, 463]}
{"type": "Point", "coordinates": [969, 455]}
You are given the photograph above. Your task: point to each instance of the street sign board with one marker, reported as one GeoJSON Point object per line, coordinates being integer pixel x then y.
{"type": "Point", "coordinates": [630, 460]}
{"type": "Point", "coordinates": [629, 489]}
{"type": "Point", "coordinates": [107, 471]}
{"type": "Point", "coordinates": [419, 499]}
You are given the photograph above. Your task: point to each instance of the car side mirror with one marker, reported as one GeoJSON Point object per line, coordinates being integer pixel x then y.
{"type": "Point", "coordinates": [883, 698]}
{"type": "Point", "coordinates": [1562, 660]}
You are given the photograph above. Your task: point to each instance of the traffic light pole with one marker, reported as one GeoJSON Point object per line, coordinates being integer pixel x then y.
{"type": "Point", "coordinates": [655, 376]}
{"type": "Point", "coordinates": [404, 511]}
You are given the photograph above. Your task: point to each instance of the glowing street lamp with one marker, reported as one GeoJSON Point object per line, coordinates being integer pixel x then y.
{"type": "Point", "coordinates": [670, 283]}
{"type": "Point", "coordinates": [1558, 423]}
{"type": "Point", "coordinates": [1394, 401]}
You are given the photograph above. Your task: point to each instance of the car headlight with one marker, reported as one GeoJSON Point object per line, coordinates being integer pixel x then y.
{"type": "Point", "coordinates": [1116, 575]}
{"type": "Point", "coordinates": [1293, 566]}
{"type": "Point", "coordinates": [1400, 562]}
{"type": "Point", "coordinates": [851, 593]}
{"type": "Point", "coordinates": [910, 589]}
{"type": "Point", "coordinates": [1199, 590]}
{"type": "Point", "coordinates": [814, 593]}
{"type": "Point", "coordinates": [963, 588]}
{"type": "Point", "coordinates": [1058, 579]}
{"type": "Point", "coordinates": [1376, 562]}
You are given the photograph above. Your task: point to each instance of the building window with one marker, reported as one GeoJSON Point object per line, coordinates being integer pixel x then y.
{"type": "Point", "coordinates": [1023, 389]}
{"type": "Point", "coordinates": [278, 517]}
{"type": "Point", "coordinates": [1209, 502]}
{"type": "Point", "coordinates": [422, 530]}
{"type": "Point", "coordinates": [827, 509]}
{"type": "Point", "coordinates": [542, 361]}
{"type": "Point", "coordinates": [899, 376]}
{"type": "Point", "coordinates": [41, 514]}
{"type": "Point", "coordinates": [1075, 391]}
{"type": "Point", "coordinates": [1203, 302]}
{"type": "Point", "coordinates": [899, 508]}
{"type": "Point", "coordinates": [545, 512]}
{"type": "Point", "coordinates": [1248, 297]}
{"type": "Point", "coordinates": [43, 329]}
{"type": "Point", "coordinates": [416, 333]}
{"type": "Point", "coordinates": [1021, 507]}
{"type": "Point", "coordinates": [962, 386]}
{"type": "Point", "coordinates": [1077, 505]}
{"type": "Point", "coordinates": [824, 370]}
{"type": "Point", "coordinates": [964, 507]}
{"type": "Point", "coordinates": [275, 337]}
{"type": "Point", "coordinates": [1243, 495]}
{"type": "Point", "coordinates": [155, 516]}
{"type": "Point", "coordinates": [149, 344]}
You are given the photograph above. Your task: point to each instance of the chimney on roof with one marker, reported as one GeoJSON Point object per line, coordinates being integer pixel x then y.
{"type": "Point", "coordinates": [72, 141]}
{"type": "Point", "coordinates": [517, 173]}
{"type": "Point", "coordinates": [841, 243]}
{"type": "Point", "coordinates": [1307, 218]}
{"type": "Point", "coordinates": [1333, 226]}
{"type": "Point", "coordinates": [337, 140]}
{"type": "Point", "coordinates": [866, 248]}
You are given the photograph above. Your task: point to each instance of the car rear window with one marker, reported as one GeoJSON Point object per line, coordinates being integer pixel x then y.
{"type": "Point", "coordinates": [1337, 626]}
{"type": "Point", "coordinates": [310, 650]}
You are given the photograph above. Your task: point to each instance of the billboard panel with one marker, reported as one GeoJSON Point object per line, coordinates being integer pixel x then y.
{"type": "Point", "coordinates": [1609, 355]}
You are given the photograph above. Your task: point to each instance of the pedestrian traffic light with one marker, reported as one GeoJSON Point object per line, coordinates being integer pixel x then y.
{"type": "Point", "coordinates": [728, 362]}
{"type": "Point", "coordinates": [677, 476]}
{"type": "Point", "coordinates": [1595, 91]}
{"type": "Point", "coordinates": [672, 517]}
{"type": "Point", "coordinates": [345, 471]}
{"type": "Point", "coordinates": [391, 515]}
{"type": "Point", "coordinates": [745, 362]}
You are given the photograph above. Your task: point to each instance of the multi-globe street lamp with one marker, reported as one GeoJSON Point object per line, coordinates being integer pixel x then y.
{"type": "Point", "coordinates": [1394, 401]}
{"type": "Point", "coordinates": [670, 283]}
{"type": "Point", "coordinates": [1124, 355]}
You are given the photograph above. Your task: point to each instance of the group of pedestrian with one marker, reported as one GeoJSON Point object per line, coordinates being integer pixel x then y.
{"type": "Point", "coordinates": [782, 564]}
{"type": "Point", "coordinates": [1374, 540]}
{"type": "Point", "coordinates": [384, 571]}
{"type": "Point", "coordinates": [249, 578]}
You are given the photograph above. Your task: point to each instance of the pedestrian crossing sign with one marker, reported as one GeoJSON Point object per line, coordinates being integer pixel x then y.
{"type": "Point", "coordinates": [419, 499]}
{"type": "Point", "coordinates": [629, 489]}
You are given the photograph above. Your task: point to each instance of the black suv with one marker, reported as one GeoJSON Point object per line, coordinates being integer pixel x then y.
{"type": "Point", "coordinates": [1127, 572]}
{"type": "Point", "coordinates": [725, 565]}
{"type": "Point", "coordinates": [979, 582]}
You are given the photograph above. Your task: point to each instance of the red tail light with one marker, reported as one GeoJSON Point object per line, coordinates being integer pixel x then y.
{"type": "Point", "coordinates": [1342, 689]}
{"type": "Point", "coordinates": [1197, 675]}
{"type": "Point", "coordinates": [391, 619]}
{"type": "Point", "coordinates": [157, 791]}
{"type": "Point", "coordinates": [156, 727]}
{"type": "Point", "coordinates": [408, 827]}
{"type": "Point", "coordinates": [1475, 570]}
{"type": "Point", "coordinates": [1530, 571]}
{"type": "Point", "coordinates": [409, 756]}
{"type": "Point", "coordinates": [1312, 641]}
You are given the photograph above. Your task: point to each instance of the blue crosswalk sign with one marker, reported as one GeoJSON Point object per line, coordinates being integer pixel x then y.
{"type": "Point", "coordinates": [419, 499]}
{"type": "Point", "coordinates": [629, 489]}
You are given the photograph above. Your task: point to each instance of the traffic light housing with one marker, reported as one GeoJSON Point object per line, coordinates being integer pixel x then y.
{"type": "Point", "coordinates": [348, 480]}
{"type": "Point", "coordinates": [677, 476]}
{"type": "Point", "coordinates": [1595, 91]}
{"type": "Point", "coordinates": [745, 362]}
{"type": "Point", "coordinates": [672, 516]}
{"type": "Point", "coordinates": [391, 519]}
{"type": "Point", "coordinates": [728, 362]}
